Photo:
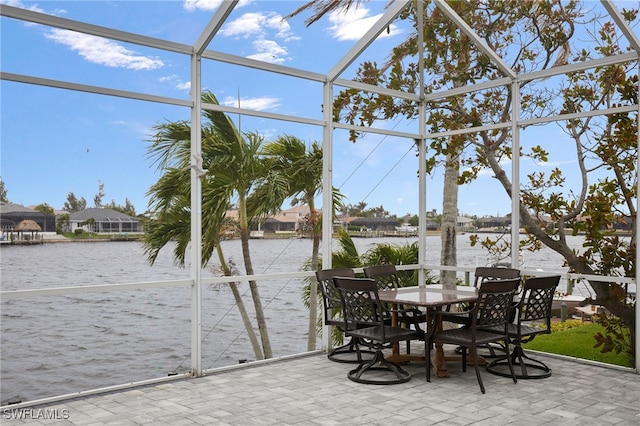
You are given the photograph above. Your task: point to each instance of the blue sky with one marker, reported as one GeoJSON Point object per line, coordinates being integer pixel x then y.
{"type": "Point", "coordinates": [58, 141]}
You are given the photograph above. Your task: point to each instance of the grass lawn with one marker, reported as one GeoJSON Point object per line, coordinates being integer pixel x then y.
{"type": "Point", "coordinates": [86, 236]}
{"type": "Point", "coordinates": [577, 341]}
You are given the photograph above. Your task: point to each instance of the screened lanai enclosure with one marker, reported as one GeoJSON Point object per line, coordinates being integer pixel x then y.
{"type": "Point", "coordinates": [521, 109]}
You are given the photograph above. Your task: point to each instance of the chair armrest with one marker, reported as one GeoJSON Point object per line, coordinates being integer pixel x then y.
{"type": "Point", "coordinates": [411, 317]}
{"type": "Point", "coordinates": [456, 317]}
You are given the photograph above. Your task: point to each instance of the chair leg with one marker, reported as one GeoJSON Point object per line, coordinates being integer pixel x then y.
{"type": "Point", "coordinates": [464, 359]}
{"type": "Point", "coordinates": [352, 347]}
{"type": "Point", "coordinates": [427, 355]}
{"type": "Point", "coordinates": [491, 350]}
{"type": "Point", "coordinates": [534, 364]}
{"type": "Point", "coordinates": [528, 367]}
{"type": "Point", "coordinates": [379, 363]}
{"type": "Point", "coordinates": [513, 374]}
{"type": "Point", "coordinates": [475, 366]}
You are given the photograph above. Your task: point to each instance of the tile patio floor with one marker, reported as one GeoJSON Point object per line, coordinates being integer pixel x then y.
{"type": "Point", "coordinates": [311, 390]}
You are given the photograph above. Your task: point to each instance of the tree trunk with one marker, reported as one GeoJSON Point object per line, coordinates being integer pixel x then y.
{"type": "Point", "coordinates": [240, 304]}
{"type": "Point", "coordinates": [255, 295]}
{"type": "Point", "coordinates": [448, 253]}
{"type": "Point", "coordinates": [253, 285]}
{"type": "Point", "coordinates": [313, 287]}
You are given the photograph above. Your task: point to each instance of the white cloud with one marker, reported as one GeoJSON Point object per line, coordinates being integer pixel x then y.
{"type": "Point", "coordinates": [209, 5]}
{"type": "Point", "coordinates": [133, 126]}
{"type": "Point", "coordinates": [103, 51]}
{"type": "Point", "coordinates": [184, 86]}
{"type": "Point", "coordinates": [18, 3]}
{"type": "Point", "coordinates": [247, 25]}
{"type": "Point", "coordinates": [354, 23]}
{"type": "Point", "coordinates": [191, 5]}
{"type": "Point", "coordinates": [258, 24]}
{"type": "Point", "coordinates": [257, 104]}
{"type": "Point", "coordinates": [168, 78]}
{"type": "Point", "coordinates": [175, 80]}
{"type": "Point", "coordinates": [269, 51]}
{"type": "Point", "coordinates": [264, 27]}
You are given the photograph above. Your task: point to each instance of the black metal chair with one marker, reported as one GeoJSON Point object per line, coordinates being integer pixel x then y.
{"type": "Point", "coordinates": [332, 310]}
{"type": "Point", "coordinates": [482, 274]}
{"type": "Point", "coordinates": [386, 278]}
{"type": "Point", "coordinates": [533, 318]}
{"type": "Point", "coordinates": [365, 319]}
{"type": "Point", "coordinates": [489, 321]}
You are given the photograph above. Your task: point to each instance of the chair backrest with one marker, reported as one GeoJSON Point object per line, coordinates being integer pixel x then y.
{"type": "Point", "coordinates": [331, 301]}
{"type": "Point", "coordinates": [485, 273]}
{"type": "Point", "coordinates": [385, 276]}
{"type": "Point", "coordinates": [493, 307]}
{"type": "Point", "coordinates": [361, 305]}
{"type": "Point", "coordinates": [537, 298]}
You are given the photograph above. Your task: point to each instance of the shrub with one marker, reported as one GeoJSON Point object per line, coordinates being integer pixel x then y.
{"type": "Point", "coordinates": [559, 326]}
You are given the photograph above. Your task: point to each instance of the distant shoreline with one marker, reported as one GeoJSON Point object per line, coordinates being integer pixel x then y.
{"type": "Point", "coordinates": [56, 238]}
{"type": "Point", "coordinates": [61, 239]}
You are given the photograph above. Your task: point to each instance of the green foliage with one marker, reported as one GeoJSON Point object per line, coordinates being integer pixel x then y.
{"type": "Point", "coordinates": [579, 342]}
{"type": "Point", "coordinates": [347, 256]}
{"type": "Point", "coordinates": [606, 160]}
{"type": "Point", "coordinates": [566, 325]}
{"type": "Point", "coordinates": [97, 199]}
{"type": "Point", "coordinates": [44, 208]}
{"type": "Point", "coordinates": [81, 234]}
{"type": "Point", "coordinates": [127, 209]}
{"type": "Point", "coordinates": [361, 210]}
{"type": "Point", "coordinates": [62, 223]}
{"type": "Point", "coordinates": [3, 192]}
{"type": "Point", "coordinates": [235, 169]}
{"type": "Point", "coordinates": [397, 254]}
{"type": "Point", "coordinates": [617, 337]}
{"type": "Point", "coordinates": [73, 204]}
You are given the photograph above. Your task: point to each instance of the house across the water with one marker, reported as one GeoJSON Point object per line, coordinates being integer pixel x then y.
{"type": "Point", "coordinates": [104, 221]}
{"type": "Point", "coordinates": [19, 223]}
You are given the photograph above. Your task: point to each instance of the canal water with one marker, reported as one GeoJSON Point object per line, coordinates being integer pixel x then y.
{"type": "Point", "coordinates": [57, 345]}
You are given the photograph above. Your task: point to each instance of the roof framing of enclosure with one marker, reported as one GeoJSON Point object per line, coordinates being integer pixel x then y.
{"type": "Point", "coordinates": [199, 51]}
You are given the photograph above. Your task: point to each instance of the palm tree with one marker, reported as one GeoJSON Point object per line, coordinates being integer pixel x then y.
{"type": "Point", "coordinates": [235, 170]}
{"type": "Point", "coordinates": [173, 223]}
{"type": "Point", "coordinates": [289, 155]}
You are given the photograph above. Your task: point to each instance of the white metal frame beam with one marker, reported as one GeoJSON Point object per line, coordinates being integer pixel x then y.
{"type": "Point", "coordinates": [394, 10]}
{"type": "Point", "coordinates": [19, 78]}
{"type": "Point", "coordinates": [615, 14]}
{"type": "Point", "coordinates": [263, 66]}
{"type": "Point", "coordinates": [214, 25]}
{"type": "Point", "coordinates": [469, 32]}
{"type": "Point", "coordinates": [95, 30]}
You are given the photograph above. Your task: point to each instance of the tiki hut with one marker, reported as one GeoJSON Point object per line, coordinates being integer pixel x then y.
{"type": "Point", "coordinates": [12, 214]}
{"type": "Point", "coordinates": [26, 226]}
